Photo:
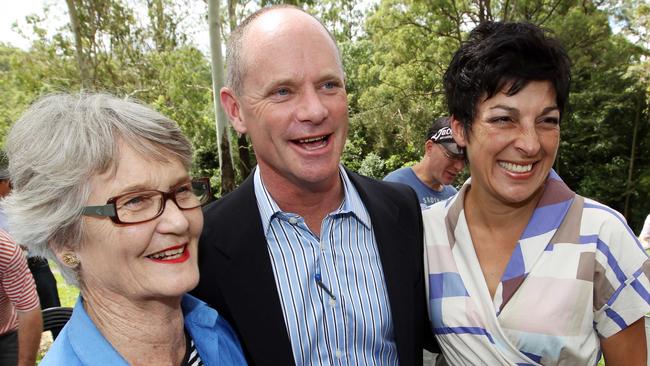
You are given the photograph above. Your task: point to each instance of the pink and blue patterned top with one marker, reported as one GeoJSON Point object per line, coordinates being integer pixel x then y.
{"type": "Point", "coordinates": [577, 273]}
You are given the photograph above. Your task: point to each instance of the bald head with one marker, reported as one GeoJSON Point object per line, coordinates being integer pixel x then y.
{"type": "Point", "coordinates": [276, 24]}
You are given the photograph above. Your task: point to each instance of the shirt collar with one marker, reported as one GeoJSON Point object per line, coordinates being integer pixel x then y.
{"type": "Point", "coordinates": [87, 341]}
{"type": "Point", "coordinates": [198, 312]}
{"type": "Point", "coordinates": [352, 203]}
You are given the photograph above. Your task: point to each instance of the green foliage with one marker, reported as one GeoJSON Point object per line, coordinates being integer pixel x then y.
{"type": "Point", "coordinates": [67, 293]}
{"type": "Point", "coordinates": [153, 64]}
{"type": "Point", "coordinates": [372, 166]}
{"type": "Point", "coordinates": [397, 88]}
{"type": "Point", "coordinates": [394, 53]}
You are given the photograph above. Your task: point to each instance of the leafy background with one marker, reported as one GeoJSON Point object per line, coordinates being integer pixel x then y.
{"type": "Point", "coordinates": [395, 53]}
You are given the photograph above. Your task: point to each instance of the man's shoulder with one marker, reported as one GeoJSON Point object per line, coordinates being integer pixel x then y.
{"type": "Point", "coordinates": [371, 188]}
{"type": "Point", "coordinates": [230, 217]}
{"type": "Point", "coordinates": [399, 175]}
{"type": "Point", "coordinates": [231, 202]}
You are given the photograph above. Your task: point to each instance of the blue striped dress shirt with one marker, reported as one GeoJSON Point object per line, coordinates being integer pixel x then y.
{"type": "Point", "coordinates": [331, 288]}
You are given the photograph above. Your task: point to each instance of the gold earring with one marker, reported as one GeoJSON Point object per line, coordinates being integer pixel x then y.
{"type": "Point", "coordinates": [70, 259]}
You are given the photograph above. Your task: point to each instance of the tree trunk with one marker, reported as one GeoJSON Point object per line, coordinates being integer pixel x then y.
{"type": "Point", "coordinates": [157, 18]}
{"type": "Point", "coordinates": [630, 171]}
{"type": "Point", "coordinates": [232, 16]}
{"type": "Point", "coordinates": [244, 163]}
{"type": "Point", "coordinates": [223, 140]}
{"type": "Point", "coordinates": [84, 74]}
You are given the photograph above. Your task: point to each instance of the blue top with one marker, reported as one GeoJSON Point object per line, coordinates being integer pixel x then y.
{"type": "Point", "coordinates": [426, 195]}
{"type": "Point", "coordinates": [331, 288]}
{"type": "Point", "coordinates": [81, 343]}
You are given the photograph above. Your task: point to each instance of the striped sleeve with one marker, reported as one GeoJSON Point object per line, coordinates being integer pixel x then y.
{"type": "Point", "coordinates": [16, 281]}
{"type": "Point", "coordinates": [621, 272]}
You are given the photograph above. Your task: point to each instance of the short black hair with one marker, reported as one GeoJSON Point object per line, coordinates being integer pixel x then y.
{"type": "Point", "coordinates": [504, 54]}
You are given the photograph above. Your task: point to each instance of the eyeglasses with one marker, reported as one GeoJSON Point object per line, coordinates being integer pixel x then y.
{"type": "Point", "coordinates": [451, 156]}
{"type": "Point", "coordinates": [143, 206]}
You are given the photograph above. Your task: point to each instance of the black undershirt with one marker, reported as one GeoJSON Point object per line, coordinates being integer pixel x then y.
{"type": "Point", "coordinates": [190, 348]}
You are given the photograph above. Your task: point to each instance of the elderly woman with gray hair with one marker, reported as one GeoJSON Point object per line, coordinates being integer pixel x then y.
{"type": "Point", "coordinates": [101, 186]}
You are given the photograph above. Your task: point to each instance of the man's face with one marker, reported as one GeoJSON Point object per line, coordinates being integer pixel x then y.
{"type": "Point", "coordinates": [440, 165]}
{"type": "Point", "coordinates": [293, 104]}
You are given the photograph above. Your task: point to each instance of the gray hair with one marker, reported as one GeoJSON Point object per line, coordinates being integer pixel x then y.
{"type": "Point", "coordinates": [57, 145]}
{"type": "Point", "coordinates": [235, 68]}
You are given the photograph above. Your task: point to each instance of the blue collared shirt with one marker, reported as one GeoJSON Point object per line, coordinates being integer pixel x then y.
{"type": "Point", "coordinates": [81, 343]}
{"type": "Point", "coordinates": [350, 325]}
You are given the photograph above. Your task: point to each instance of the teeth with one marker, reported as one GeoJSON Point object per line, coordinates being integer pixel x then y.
{"type": "Point", "coordinates": [168, 254]}
{"type": "Point", "coordinates": [311, 140]}
{"type": "Point", "coordinates": [516, 168]}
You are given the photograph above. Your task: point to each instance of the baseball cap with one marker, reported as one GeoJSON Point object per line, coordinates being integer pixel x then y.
{"type": "Point", "coordinates": [440, 133]}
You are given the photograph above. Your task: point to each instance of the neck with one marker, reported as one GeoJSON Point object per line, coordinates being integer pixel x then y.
{"type": "Point", "coordinates": [149, 332]}
{"type": "Point", "coordinates": [312, 202]}
{"type": "Point", "coordinates": [420, 171]}
{"type": "Point", "coordinates": [481, 209]}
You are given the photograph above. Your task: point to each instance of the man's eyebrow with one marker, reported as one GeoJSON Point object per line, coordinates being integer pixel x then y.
{"type": "Point", "coordinates": [280, 81]}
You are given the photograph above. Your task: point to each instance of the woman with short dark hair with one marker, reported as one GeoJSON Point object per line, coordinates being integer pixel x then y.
{"type": "Point", "coordinates": [522, 270]}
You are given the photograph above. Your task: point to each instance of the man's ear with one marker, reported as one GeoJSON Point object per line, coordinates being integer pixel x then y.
{"type": "Point", "coordinates": [230, 105]}
{"type": "Point", "coordinates": [428, 145]}
{"type": "Point", "coordinates": [458, 132]}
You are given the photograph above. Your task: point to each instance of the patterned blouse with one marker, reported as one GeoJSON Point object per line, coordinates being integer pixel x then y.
{"type": "Point", "coordinates": [576, 274]}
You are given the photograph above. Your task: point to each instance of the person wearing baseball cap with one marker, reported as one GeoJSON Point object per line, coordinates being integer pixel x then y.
{"type": "Point", "coordinates": [443, 160]}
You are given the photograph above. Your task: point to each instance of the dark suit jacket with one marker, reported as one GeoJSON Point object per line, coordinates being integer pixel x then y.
{"type": "Point", "coordinates": [238, 281]}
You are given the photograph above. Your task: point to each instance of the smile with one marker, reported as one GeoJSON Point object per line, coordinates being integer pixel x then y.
{"type": "Point", "coordinates": [313, 143]}
{"type": "Point", "coordinates": [176, 254]}
{"type": "Point", "coordinates": [516, 168]}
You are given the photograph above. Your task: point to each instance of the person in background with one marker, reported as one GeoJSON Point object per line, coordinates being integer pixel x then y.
{"type": "Point", "coordinates": [432, 176]}
{"type": "Point", "coordinates": [102, 187]}
{"type": "Point", "coordinates": [522, 270]}
{"type": "Point", "coordinates": [21, 323]}
{"type": "Point", "coordinates": [644, 235]}
{"type": "Point", "coordinates": [313, 264]}
{"type": "Point", "coordinates": [20, 313]}
{"type": "Point", "coordinates": [48, 294]}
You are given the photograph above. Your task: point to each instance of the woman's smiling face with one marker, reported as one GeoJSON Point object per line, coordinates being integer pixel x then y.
{"type": "Point", "coordinates": [512, 144]}
{"type": "Point", "coordinates": [149, 260]}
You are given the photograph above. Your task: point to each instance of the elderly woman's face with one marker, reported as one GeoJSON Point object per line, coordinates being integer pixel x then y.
{"type": "Point", "coordinates": [141, 261]}
{"type": "Point", "coordinates": [513, 143]}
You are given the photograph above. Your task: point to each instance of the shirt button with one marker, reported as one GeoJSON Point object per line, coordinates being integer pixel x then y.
{"type": "Point", "coordinates": [339, 354]}
{"type": "Point", "coordinates": [293, 220]}
{"type": "Point", "coordinates": [332, 302]}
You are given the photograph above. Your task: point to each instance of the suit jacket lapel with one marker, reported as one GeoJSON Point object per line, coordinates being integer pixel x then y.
{"type": "Point", "coordinates": [250, 290]}
{"type": "Point", "coordinates": [384, 214]}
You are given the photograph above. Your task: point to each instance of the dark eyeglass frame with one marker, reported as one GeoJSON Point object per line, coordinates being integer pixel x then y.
{"type": "Point", "coordinates": [110, 208]}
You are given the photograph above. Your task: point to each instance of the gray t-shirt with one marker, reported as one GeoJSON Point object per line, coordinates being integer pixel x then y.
{"type": "Point", "coordinates": [426, 195]}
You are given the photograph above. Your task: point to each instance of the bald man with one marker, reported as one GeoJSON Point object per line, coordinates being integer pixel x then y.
{"type": "Point", "coordinates": [311, 263]}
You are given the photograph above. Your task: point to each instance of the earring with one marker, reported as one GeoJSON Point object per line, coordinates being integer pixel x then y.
{"type": "Point", "coordinates": [70, 260]}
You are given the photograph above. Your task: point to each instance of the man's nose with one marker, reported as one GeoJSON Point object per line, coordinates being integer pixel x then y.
{"type": "Point", "coordinates": [311, 107]}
